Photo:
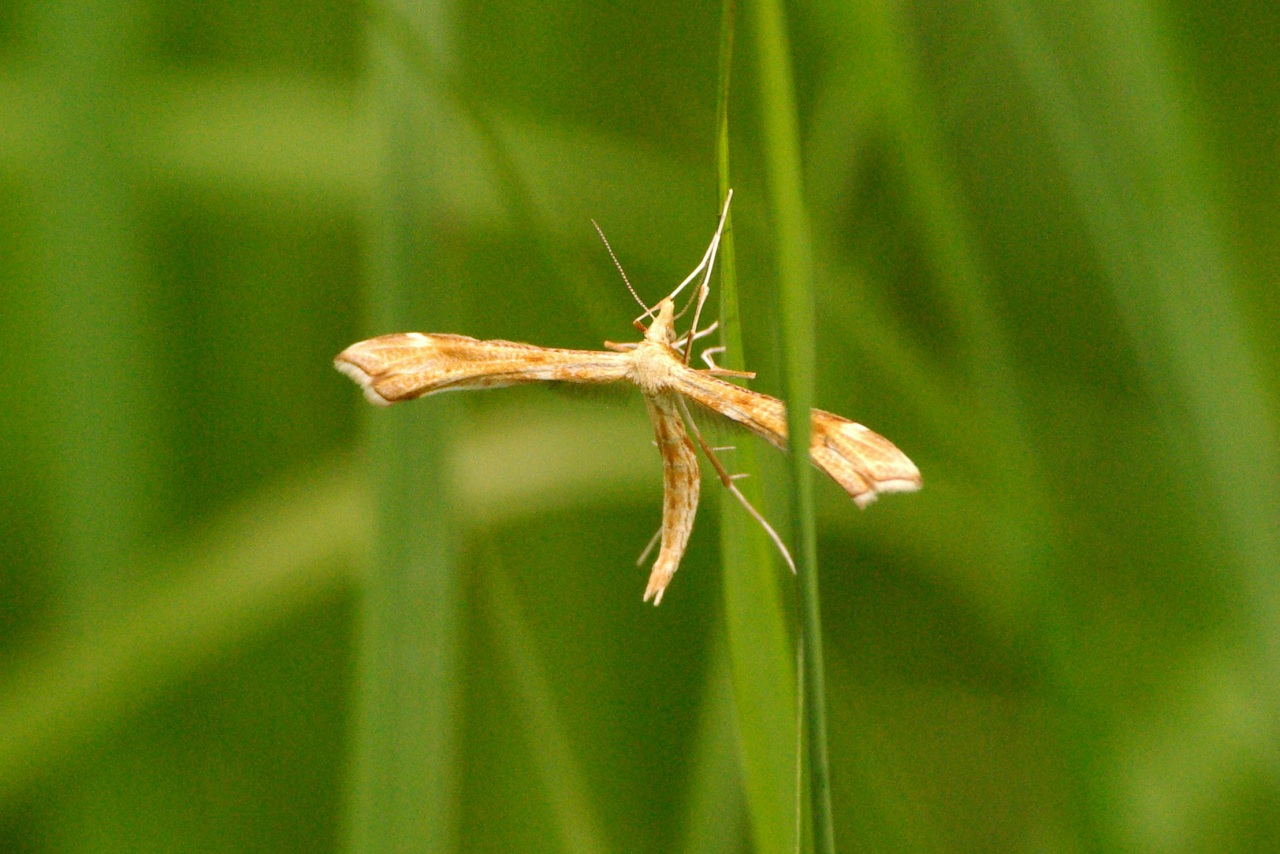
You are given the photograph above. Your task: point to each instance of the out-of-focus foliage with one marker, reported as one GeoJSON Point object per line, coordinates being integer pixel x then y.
{"type": "Point", "coordinates": [1046, 251]}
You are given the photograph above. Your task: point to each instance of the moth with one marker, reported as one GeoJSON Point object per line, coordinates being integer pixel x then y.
{"type": "Point", "coordinates": [407, 365]}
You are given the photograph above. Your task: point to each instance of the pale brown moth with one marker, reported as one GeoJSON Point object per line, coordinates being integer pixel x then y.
{"type": "Point", "coordinates": [406, 365]}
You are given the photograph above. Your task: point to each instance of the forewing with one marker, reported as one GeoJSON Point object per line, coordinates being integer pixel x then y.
{"type": "Point", "coordinates": [406, 365]}
{"type": "Point", "coordinates": [862, 461]}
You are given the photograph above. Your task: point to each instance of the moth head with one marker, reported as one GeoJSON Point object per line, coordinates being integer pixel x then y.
{"type": "Point", "coordinates": [663, 328]}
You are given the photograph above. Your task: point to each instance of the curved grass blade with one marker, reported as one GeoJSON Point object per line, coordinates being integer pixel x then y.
{"type": "Point", "coordinates": [796, 311]}
{"type": "Point", "coordinates": [758, 643]}
{"type": "Point", "coordinates": [404, 786]}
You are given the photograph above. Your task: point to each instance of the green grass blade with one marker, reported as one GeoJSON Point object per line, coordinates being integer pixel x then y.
{"type": "Point", "coordinates": [404, 790]}
{"type": "Point", "coordinates": [759, 646]}
{"type": "Point", "coordinates": [560, 770]}
{"type": "Point", "coordinates": [101, 427]}
{"type": "Point", "coordinates": [1167, 263]}
{"type": "Point", "coordinates": [1141, 184]}
{"type": "Point", "coordinates": [716, 809]}
{"type": "Point", "coordinates": [796, 314]}
{"type": "Point", "coordinates": [254, 566]}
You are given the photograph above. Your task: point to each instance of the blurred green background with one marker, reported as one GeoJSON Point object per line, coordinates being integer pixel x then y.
{"type": "Point", "coordinates": [1046, 242]}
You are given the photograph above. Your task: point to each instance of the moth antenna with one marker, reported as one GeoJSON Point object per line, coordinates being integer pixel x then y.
{"type": "Point", "coordinates": [692, 298]}
{"type": "Point", "coordinates": [617, 264]}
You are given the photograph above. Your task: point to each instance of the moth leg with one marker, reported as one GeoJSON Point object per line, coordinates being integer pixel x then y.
{"type": "Point", "coordinates": [709, 261]}
{"type": "Point", "coordinates": [717, 371]}
{"type": "Point", "coordinates": [684, 342]}
{"type": "Point", "coordinates": [728, 481]}
{"type": "Point", "coordinates": [653, 541]}
{"type": "Point", "coordinates": [703, 333]}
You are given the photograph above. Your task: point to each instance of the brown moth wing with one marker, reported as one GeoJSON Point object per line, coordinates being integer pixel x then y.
{"type": "Point", "coordinates": [862, 461]}
{"type": "Point", "coordinates": [681, 483]}
{"type": "Point", "coordinates": [406, 365]}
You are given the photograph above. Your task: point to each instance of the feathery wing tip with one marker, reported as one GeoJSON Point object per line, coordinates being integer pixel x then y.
{"type": "Point", "coordinates": [361, 378]}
